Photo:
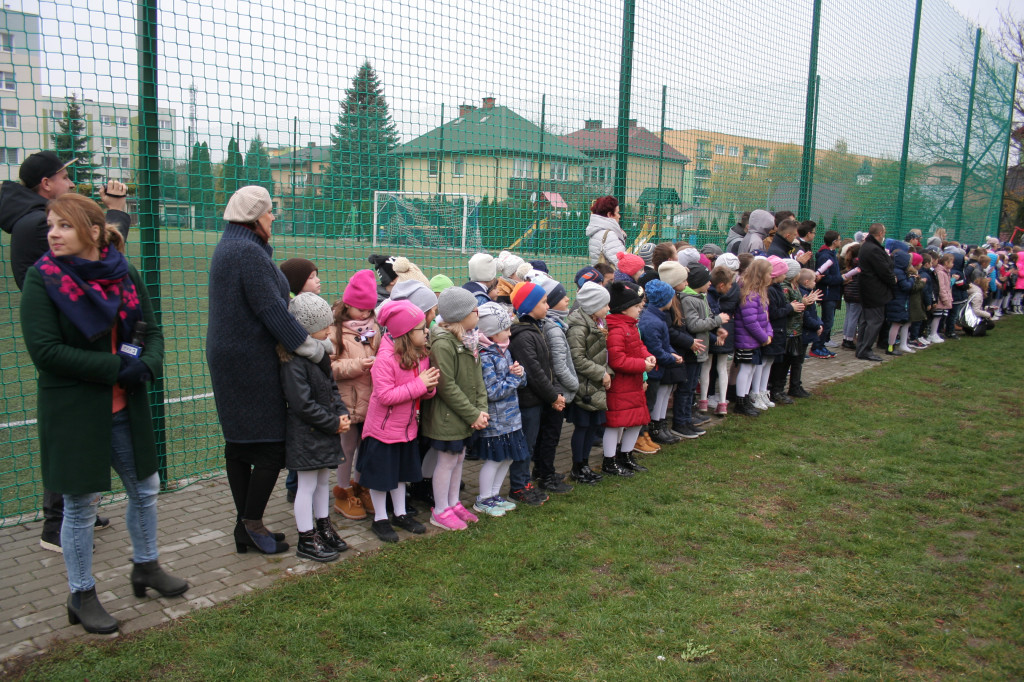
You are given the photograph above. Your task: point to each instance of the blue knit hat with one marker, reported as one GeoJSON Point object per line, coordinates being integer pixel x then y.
{"type": "Point", "coordinates": [658, 293]}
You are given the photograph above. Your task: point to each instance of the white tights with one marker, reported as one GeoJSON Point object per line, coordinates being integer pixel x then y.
{"type": "Point", "coordinates": [722, 362]}
{"type": "Point", "coordinates": [492, 475]}
{"type": "Point", "coordinates": [447, 479]}
{"type": "Point", "coordinates": [380, 502]}
{"type": "Point", "coordinates": [896, 330]}
{"type": "Point", "coordinates": [614, 436]}
{"type": "Point", "coordinates": [936, 321]}
{"type": "Point", "coordinates": [761, 375]}
{"type": "Point", "coordinates": [705, 376]}
{"type": "Point", "coordinates": [312, 498]}
{"type": "Point", "coordinates": [744, 378]}
{"type": "Point", "coordinates": [661, 401]}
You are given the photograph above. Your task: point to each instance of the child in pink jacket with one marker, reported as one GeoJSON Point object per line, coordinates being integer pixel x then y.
{"type": "Point", "coordinates": [390, 455]}
{"type": "Point", "coordinates": [945, 297]}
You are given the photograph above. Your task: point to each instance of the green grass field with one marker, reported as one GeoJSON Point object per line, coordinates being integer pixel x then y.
{"type": "Point", "coordinates": [873, 532]}
{"type": "Point", "coordinates": [192, 432]}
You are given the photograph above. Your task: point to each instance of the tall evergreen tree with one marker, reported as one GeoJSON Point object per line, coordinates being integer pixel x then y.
{"type": "Point", "coordinates": [233, 169]}
{"type": "Point", "coordinates": [362, 138]}
{"type": "Point", "coordinates": [71, 141]}
{"type": "Point", "coordinates": [201, 188]}
{"type": "Point", "coordinates": [257, 165]}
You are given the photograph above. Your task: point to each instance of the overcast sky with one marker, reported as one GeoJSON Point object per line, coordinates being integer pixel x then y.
{"type": "Point", "coordinates": [738, 67]}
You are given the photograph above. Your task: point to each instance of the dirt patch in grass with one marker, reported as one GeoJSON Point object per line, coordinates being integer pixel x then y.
{"type": "Point", "coordinates": [936, 495]}
{"type": "Point", "coordinates": [1009, 503]}
{"type": "Point", "coordinates": [957, 558]}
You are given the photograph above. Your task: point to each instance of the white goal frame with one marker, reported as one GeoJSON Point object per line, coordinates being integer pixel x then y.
{"type": "Point", "coordinates": [465, 208]}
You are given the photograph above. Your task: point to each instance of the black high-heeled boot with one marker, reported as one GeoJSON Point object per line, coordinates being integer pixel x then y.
{"type": "Point", "coordinates": [85, 608]}
{"type": "Point", "coordinates": [258, 537]}
{"type": "Point", "coordinates": [149, 574]}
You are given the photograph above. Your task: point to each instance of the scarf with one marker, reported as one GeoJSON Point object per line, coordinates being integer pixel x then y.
{"type": "Point", "coordinates": [486, 342]}
{"type": "Point", "coordinates": [363, 329]}
{"type": "Point", "coordinates": [93, 294]}
{"type": "Point", "coordinates": [471, 340]}
{"type": "Point", "coordinates": [558, 317]}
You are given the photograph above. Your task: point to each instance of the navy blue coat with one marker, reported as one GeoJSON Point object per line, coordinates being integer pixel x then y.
{"type": "Point", "coordinates": [654, 331]}
{"type": "Point", "coordinates": [779, 311]}
{"type": "Point", "coordinates": [725, 303]}
{"type": "Point", "coordinates": [831, 283]}
{"type": "Point", "coordinates": [811, 320]}
{"type": "Point", "coordinates": [897, 310]}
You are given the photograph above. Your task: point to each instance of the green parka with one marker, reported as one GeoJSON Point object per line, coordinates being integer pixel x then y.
{"type": "Point", "coordinates": [589, 352]}
{"type": "Point", "coordinates": [76, 380]}
{"type": "Point", "coordinates": [461, 394]}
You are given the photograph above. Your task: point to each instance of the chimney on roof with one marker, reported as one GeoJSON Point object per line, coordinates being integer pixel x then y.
{"type": "Point", "coordinates": [465, 109]}
{"type": "Point", "coordinates": [631, 122]}
{"type": "Point", "coordinates": [592, 124]}
{"type": "Point", "coordinates": [488, 103]}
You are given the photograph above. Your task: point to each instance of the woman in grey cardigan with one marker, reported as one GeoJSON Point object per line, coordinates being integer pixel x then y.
{"type": "Point", "coordinates": [248, 317]}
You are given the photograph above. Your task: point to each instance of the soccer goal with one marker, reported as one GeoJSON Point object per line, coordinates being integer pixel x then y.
{"type": "Point", "coordinates": [427, 220]}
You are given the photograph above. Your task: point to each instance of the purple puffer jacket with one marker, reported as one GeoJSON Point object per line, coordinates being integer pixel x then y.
{"type": "Point", "coordinates": [752, 325]}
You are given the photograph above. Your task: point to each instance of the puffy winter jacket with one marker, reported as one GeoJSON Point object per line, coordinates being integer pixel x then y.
{"type": "Point", "coordinates": [725, 303]}
{"type": "Point", "coordinates": [588, 348]}
{"type": "Point", "coordinates": [502, 391]}
{"type": "Point", "coordinates": [461, 395]}
{"type": "Point", "coordinates": [754, 239]}
{"type": "Point", "coordinates": [627, 404]}
{"type": "Point", "coordinates": [945, 292]}
{"type": "Point", "coordinates": [781, 248]}
{"type": "Point", "coordinates": [566, 381]}
{"type": "Point", "coordinates": [831, 283]}
{"type": "Point", "coordinates": [354, 383]}
{"type": "Point", "coordinates": [311, 430]}
{"type": "Point", "coordinates": [606, 236]}
{"type": "Point", "coordinates": [810, 319]}
{"type": "Point", "coordinates": [529, 348]}
{"type": "Point", "coordinates": [897, 310]}
{"type": "Point", "coordinates": [397, 392]}
{"type": "Point", "coordinates": [700, 321]}
{"type": "Point", "coordinates": [753, 328]}
{"type": "Point", "coordinates": [929, 295]}
{"type": "Point", "coordinates": [915, 303]}
{"type": "Point", "coordinates": [779, 313]}
{"type": "Point", "coordinates": [653, 326]}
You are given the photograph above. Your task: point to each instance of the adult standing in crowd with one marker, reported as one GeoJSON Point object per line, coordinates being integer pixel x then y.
{"type": "Point", "coordinates": [877, 281]}
{"type": "Point", "coordinates": [44, 176]}
{"type": "Point", "coordinates": [606, 236]}
{"type": "Point", "coordinates": [759, 225]}
{"type": "Point", "coordinates": [92, 335]}
{"type": "Point", "coordinates": [248, 318]}
{"type": "Point", "coordinates": [736, 234]}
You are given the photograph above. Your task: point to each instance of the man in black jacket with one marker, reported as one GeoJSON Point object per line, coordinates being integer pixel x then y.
{"type": "Point", "coordinates": [23, 215]}
{"type": "Point", "coordinates": [877, 281]}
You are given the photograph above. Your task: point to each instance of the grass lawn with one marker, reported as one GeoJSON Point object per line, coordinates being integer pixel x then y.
{"type": "Point", "coordinates": [874, 532]}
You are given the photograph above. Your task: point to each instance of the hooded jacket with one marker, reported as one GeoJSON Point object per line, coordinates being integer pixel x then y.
{"type": "Point", "coordinates": [627, 404]}
{"type": "Point", "coordinates": [752, 325]}
{"type": "Point", "coordinates": [566, 381]}
{"type": "Point", "coordinates": [354, 384]}
{"type": "Point", "coordinates": [700, 321]}
{"type": "Point", "coordinates": [897, 309]}
{"type": "Point", "coordinates": [461, 394]}
{"type": "Point", "coordinates": [23, 216]}
{"type": "Point", "coordinates": [754, 239]}
{"type": "Point", "coordinates": [589, 352]}
{"type": "Point", "coordinates": [311, 431]}
{"type": "Point", "coordinates": [653, 326]}
{"type": "Point", "coordinates": [732, 240]}
{"type": "Point", "coordinates": [606, 236]}
{"type": "Point", "coordinates": [502, 391]}
{"type": "Point", "coordinates": [397, 392]}
{"type": "Point", "coordinates": [529, 348]}
{"type": "Point", "coordinates": [725, 303]}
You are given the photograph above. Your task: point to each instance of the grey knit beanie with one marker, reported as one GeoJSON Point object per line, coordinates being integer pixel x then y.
{"type": "Point", "coordinates": [592, 297]}
{"type": "Point", "coordinates": [417, 292]}
{"type": "Point", "coordinates": [646, 251]}
{"type": "Point", "coordinates": [247, 204]}
{"type": "Point", "coordinates": [494, 318]}
{"type": "Point", "coordinates": [311, 311]}
{"type": "Point", "coordinates": [792, 268]}
{"type": "Point", "coordinates": [455, 304]}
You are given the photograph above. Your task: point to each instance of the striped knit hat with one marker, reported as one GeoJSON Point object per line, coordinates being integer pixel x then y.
{"type": "Point", "coordinates": [526, 296]}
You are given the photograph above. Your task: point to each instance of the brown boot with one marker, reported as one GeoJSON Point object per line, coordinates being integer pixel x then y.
{"type": "Point", "coordinates": [348, 504]}
{"type": "Point", "coordinates": [645, 445]}
{"type": "Point", "coordinates": [363, 495]}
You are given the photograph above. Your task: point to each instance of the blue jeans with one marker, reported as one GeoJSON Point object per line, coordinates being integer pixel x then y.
{"type": "Point", "coordinates": [140, 518]}
{"type": "Point", "coordinates": [828, 315]}
{"type": "Point", "coordinates": [519, 472]}
{"type": "Point", "coordinates": [682, 404]}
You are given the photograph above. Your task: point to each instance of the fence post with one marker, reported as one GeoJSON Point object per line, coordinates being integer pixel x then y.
{"type": "Point", "coordinates": [902, 184]}
{"type": "Point", "coordinates": [147, 188]}
{"type": "Point", "coordinates": [625, 89]}
{"type": "Point", "coordinates": [967, 140]}
{"type": "Point", "coordinates": [661, 162]}
{"type": "Point", "coordinates": [540, 172]}
{"type": "Point", "coordinates": [807, 160]}
{"type": "Point", "coordinates": [1006, 151]}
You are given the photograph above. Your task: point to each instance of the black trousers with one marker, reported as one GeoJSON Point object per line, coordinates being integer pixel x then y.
{"type": "Point", "coordinates": [871, 320]}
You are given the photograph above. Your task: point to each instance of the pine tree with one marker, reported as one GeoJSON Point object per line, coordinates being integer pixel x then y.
{"type": "Point", "coordinates": [257, 165]}
{"type": "Point", "coordinates": [233, 169]}
{"type": "Point", "coordinates": [363, 136]}
{"type": "Point", "coordinates": [72, 142]}
{"type": "Point", "coordinates": [200, 183]}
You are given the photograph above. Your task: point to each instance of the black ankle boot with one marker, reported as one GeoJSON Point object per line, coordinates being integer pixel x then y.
{"type": "Point", "coordinates": [312, 546]}
{"type": "Point", "coordinates": [581, 473]}
{"type": "Point", "coordinates": [258, 537]}
{"type": "Point", "coordinates": [592, 476]}
{"type": "Point", "coordinates": [661, 434]}
{"type": "Point", "coordinates": [780, 398]}
{"type": "Point", "coordinates": [612, 467]}
{"type": "Point", "coordinates": [329, 535]}
{"type": "Point", "coordinates": [149, 574]}
{"type": "Point", "coordinates": [744, 407]}
{"type": "Point", "coordinates": [628, 460]}
{"type": "Point", "coordinates": [85, 608]}
{"type": "Point", "coordinates": [241, 536]}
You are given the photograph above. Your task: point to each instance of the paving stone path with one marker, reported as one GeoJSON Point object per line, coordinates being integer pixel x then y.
{"type": "Point", "coordinates": [196, 544]}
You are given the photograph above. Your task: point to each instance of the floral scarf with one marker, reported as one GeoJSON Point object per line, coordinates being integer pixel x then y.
{"type": "Point", "coordinates": [93, 294]}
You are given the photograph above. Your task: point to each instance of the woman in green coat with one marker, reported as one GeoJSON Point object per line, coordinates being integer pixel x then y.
{"type": "Point", "coordinates": [90, 330]}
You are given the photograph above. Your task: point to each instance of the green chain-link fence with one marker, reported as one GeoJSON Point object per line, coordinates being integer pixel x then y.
{"type": "Point", "coordinates": [440, 129]}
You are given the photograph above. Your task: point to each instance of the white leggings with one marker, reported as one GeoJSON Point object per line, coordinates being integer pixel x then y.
{"type": "Point", "coordinates": [661, 401]}
{"type": "Point", "coordinates": [705, 376]}
{"type": "Point", "coordinates": [722, 363]}
{"type": "Point", "coordinates": [761, 375]}
{"type": "Point", "coordinates": [312, 498]}
{"type": "Point", "coordinates": [492, 475]}
{"type": "Point", "coordinates": [380, 502]}
{"type": "Point", "coordinates": [744, 378]}
{"type": "Point", "coordinates": [897, 328]}
{"type": "Point", "coordinates": [447, 479]}
{"type": "Point", "coordinates": [613, 436]}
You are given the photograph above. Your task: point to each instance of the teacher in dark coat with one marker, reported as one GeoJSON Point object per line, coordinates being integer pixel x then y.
{"type": "Point", "coordinates": [82, 300]}
{"type": "Point", "coordinates": [248, 318]}
{"type": "Point", "coordinates": [877, 282]}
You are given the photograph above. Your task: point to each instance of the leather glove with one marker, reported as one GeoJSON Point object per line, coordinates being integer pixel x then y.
{"type": "Point", "coordinates": [133, 372]}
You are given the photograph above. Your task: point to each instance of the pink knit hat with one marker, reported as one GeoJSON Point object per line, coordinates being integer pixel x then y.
{"type": "Point", "coordinates": [361, 291]}
{"type": "Point", "coordinates": [705, 261]}
{"type": "Point", "coordinates": [399, 317]}
{"type": "Point", "coordinates": [779, 266]}
{"type": "Point", "coordinates": [916, 260]}
{"type": "Point", "coordinates": [629, 264]}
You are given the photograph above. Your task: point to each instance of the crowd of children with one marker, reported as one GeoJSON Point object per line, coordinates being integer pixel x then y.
{"type": "Point", "coordinates": [427, 373]}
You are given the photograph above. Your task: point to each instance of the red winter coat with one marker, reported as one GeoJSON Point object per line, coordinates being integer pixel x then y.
{"type": "Point", "coordinates": [627, 404]}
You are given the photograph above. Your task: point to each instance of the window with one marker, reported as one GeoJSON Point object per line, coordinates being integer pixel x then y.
{"type": "Point", "coordinates": [734, 151]}
{"type": "Point", "coordinates": [703, 149]}
{"type": "Point", "coordinates": [433, 166]}
{"type": "Point", "coordinates": [719, 148]}
{"type": "Point", "coordinates": [560, 171]}
{"type": "Point", "coordinates": [6, 42]}
{"type": "Point", "coordinates": [298, 179]}
{"type": "Point", "coordinates": [718, 168]}
{"type": "Point", "coordinates": [9, 118]}
{"type": "Point", "coordinates": [596, 175]}
{"type": "Point", "coordinates": [107, 120]}
{"type": "Point", "coordinates": [164, 123]}
{"type": "Point", "coordinates": [122, 120]}
{"type": "Point", "coordinates": [8, 155]}
{"type": "Point", "coordinates": [458, 167]}
{"type": "Point", "coordinates": [126, 162]}
{"type": "Point", "coordinates": [7, 80]}
{"type": "Point", "coordinates": [522, 168]}
{"type": "Point", "coordinates": [165, 146]}
{"type": "Point", "coordinates": [945, 180]}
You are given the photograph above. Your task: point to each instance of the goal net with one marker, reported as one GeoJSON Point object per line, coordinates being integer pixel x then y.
{"type": "Point", "coordinates": [425, 220]}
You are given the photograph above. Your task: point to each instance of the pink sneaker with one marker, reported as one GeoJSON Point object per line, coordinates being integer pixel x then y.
{"type": "Point", "coordinates": [702, 406]}
{"type": "Point", "coordinates": [464, 514]}
{"type": "Point", "coordinates": [447, 519]}
{"type": "Point", "coordinates": [722, 409]}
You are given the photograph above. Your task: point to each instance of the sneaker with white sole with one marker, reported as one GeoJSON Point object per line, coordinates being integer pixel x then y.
{"type": "Point", "coordinates": [488, 506]}
{"type": "Point", "coordinates": [935, 338]}
{"type": "Point", "coordinates": [507, 505]}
